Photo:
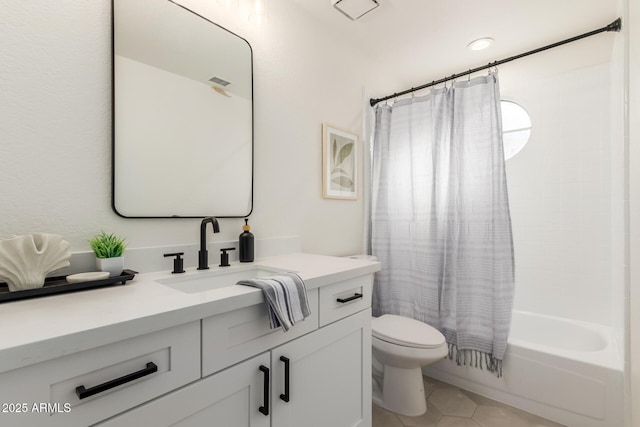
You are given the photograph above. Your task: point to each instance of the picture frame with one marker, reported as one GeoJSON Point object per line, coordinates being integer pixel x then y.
{"type": "Point", "coordinates": [340, 166]}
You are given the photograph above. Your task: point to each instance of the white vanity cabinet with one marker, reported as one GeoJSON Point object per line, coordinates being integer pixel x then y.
{"type": "Point", "coordinates": [316, 377]}
{"type": "Point", "coordinates": [321, 379]}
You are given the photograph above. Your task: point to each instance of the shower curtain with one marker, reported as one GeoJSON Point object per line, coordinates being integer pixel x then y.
{"type": "Point", "coordinates": [440, 222]}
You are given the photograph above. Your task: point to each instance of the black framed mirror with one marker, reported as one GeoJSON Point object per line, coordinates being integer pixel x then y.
{"type": "Point", "coordinates": [182, 114]}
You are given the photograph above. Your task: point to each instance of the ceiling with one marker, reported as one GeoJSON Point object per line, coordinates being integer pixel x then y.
{"type": "Point", "coordinates": [422, 40]}
{"type": "Point", "coordinates": [171, 38]}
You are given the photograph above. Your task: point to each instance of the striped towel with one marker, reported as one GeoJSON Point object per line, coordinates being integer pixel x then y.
{"type": "Point", "coordinates": [286, 297]}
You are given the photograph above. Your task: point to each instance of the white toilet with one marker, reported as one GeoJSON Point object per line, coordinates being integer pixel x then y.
{"type": "Point", "coordinates": [401, 347]}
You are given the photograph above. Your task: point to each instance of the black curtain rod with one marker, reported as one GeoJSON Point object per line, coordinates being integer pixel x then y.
{"type": "Point", "coordinates": [614, 26]}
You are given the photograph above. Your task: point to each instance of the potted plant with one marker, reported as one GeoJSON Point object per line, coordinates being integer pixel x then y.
{"type": "Point", "coordinates": [109, 250]}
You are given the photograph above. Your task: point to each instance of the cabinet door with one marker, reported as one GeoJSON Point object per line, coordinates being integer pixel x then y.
{"type": "Point", "coordinates": [329, 376]}
{"type": "Point", "coordinates": [230, 398]}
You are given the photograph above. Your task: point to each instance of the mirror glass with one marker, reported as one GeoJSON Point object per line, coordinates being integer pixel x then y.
{"type": "Point", "coordinates": [183, 114]}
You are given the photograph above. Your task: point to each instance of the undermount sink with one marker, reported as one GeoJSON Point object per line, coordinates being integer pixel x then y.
{"type": "Point", "coordinates": [218, 278]}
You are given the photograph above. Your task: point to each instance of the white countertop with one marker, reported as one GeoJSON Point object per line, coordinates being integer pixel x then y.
{"type": "Point", "coordinates": [40, 329]}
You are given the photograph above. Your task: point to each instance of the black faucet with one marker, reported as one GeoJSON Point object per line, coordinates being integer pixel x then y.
{"type": "Point", "coordinates": [203, 254]}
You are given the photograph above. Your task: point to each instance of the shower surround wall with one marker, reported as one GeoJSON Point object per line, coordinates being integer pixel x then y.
{"type": "Point", "coordinates": [566, 196]}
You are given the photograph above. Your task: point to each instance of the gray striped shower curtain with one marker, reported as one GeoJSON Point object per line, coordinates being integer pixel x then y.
{"type": "Point", "coordinates": [440, 222]}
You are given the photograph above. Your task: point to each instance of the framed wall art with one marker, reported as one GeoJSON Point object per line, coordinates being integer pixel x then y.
{"type": "Point", "coordinates": [339, 163]}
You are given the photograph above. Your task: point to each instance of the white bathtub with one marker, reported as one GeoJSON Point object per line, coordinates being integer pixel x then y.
{"type": "Point", "coordinates": [564, 370]}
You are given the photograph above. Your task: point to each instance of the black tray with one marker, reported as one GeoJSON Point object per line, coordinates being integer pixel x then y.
{"type": "Point", "coordinates": [59, 285]}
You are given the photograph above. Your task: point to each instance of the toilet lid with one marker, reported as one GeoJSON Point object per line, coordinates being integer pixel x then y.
{"type": "Point", "coordinates": [407, 332]}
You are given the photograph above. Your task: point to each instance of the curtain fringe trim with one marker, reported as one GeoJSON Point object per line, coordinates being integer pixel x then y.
{"type": "Point", "coordinates": [475, 358]}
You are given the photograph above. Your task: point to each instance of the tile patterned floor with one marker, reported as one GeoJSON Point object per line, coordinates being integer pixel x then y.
{"type": "Point", "coordinates": [449, 406]}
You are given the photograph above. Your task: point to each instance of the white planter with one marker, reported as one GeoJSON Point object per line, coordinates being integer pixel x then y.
{"type": "Point", "coordinates": [113, 265]}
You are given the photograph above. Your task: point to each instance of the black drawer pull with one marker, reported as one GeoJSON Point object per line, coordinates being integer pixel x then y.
{"type": "Point", "coordinates": [87, 392]}
{"type": "Point", "coordinates": [355, 296]}
{"type": "Point", "coordinates": [285, 395]}
{"type": "Point", "coordinates": [265, 408]}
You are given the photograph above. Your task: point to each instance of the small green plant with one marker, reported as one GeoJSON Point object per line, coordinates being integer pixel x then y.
{"type": "Point", "coordinates": [107, 245]}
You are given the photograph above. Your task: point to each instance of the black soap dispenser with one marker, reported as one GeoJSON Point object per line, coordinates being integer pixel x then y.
{"type": "Point", "coordinates": [246, 243]}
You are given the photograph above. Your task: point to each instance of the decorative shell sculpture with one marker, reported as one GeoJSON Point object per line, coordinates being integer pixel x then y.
{"type": "Point", "coordinates": [25, 260]}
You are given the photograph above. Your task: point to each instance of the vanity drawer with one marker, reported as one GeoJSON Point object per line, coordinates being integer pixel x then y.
{"type": "Point", "coordinates": [86, 387]}
{"type": "Point", "coordinates": [345, 298]}
{"type": "Point", "coordinates": [231, 337]}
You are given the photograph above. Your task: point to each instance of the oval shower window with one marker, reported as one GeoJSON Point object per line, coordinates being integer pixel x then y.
{"type": "Point", "coordinates": [516, 128]}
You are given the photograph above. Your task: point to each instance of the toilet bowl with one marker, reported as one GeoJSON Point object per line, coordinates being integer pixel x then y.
{"type": "Point", "coordinates": [401, 347]}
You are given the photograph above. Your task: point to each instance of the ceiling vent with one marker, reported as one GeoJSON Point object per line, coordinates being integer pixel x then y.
{"type": "Point", "coordinates": [355, 9]}
{"type": "Point", "coordinates": [219, 81]}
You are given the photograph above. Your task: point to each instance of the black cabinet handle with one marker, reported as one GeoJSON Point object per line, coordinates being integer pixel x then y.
{"type": "Point", "coordinates": [265, 409]}
{"type": "Point", "coordinates": [343, 300]}
{"type": "Point", "coordinates": [285, 395]}
{"type": "Point", "coordinates": [83, 392]}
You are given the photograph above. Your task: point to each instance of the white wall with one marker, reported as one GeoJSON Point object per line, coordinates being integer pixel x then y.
{"type": "Point", "coordinates": [561, 193]}
{"type": "Point", "coordinates": [633, 56]}
{"type": "Point", "coordinates": [55, 132]}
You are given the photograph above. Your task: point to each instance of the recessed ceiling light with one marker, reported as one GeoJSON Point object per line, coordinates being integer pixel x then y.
{"type": "Point", "coordinates": [480, 44]}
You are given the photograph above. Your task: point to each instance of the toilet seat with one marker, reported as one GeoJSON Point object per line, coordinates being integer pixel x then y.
{"type": "Point", "coordinates": [406, 332]}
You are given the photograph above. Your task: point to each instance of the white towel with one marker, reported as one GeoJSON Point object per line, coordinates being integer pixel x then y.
{"type": "Point", "coordinates": [286, 298]}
